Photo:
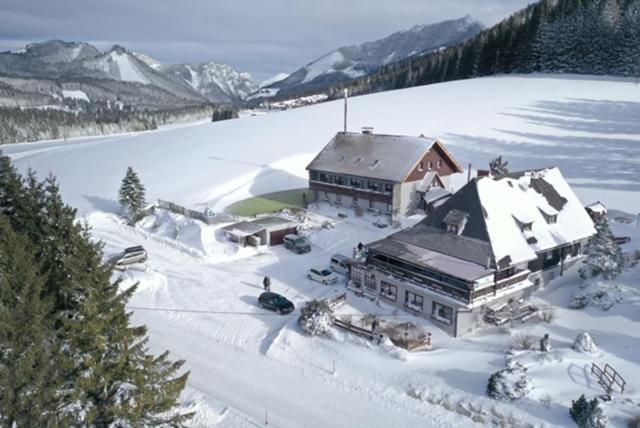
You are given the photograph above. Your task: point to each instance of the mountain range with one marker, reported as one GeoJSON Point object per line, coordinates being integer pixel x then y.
{"type": "Point", "coordinates": [599, 37]}
{"type": "Point", "coordinates": [349, 62]}
{"type": "Point", "coordinates": [55, 72]}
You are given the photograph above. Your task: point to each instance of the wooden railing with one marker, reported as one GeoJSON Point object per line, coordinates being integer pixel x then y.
{"type": "Point", "coordinates": [608, 377]}
{"type": "Point", "coordinates": [361, 331]}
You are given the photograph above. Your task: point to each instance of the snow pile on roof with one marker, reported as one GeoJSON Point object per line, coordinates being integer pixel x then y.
{"type": "Point", "coordinates": [541, 200]}
{"type": "Point", "coordinates": [77, 94]}
{"type": "Point", "coordinates": [597, 207]}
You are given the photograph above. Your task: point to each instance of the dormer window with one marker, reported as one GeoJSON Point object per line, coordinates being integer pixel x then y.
{"type": "Point", "coordinates": [525, 226]}
{"type": "Point", "coordinates": [430, 165]}
{"type": "Point", "coordinates": [550, 218]}
{"type": "Point", "coordinates": [439, 163]}
{"type": "Point", "coordinates": [421, 166]}
{"type": "Point", "coordinates": [375, 163]}
{"type": "Point", "coordinates": [455, 221]}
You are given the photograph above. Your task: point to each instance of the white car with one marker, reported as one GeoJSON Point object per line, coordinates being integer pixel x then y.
{"type": "Point", "coordinates": [130, 256]}
{"type": "Point", "coordinates": [323, 275]}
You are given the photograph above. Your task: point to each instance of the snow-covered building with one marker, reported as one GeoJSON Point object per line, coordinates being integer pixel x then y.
{"type": "Point", "coordinates": [390, 174]}
{"type": "Point", "coordinates": [596, 211]}
{"type": "Point", "coordinates": [493, 241]}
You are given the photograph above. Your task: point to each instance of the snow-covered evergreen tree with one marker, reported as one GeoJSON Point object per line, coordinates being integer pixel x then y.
{"type": "Point", "coordinates": [132, 195]}
{"type": "Point", "coordinates": [315, 317]}
{"type": "Point", "coordinates": [587, 414]}
{"type": "Point", "coordinates": [604, 255]}
{"type": "Point", "coordinates": [100, 358]}
{"type": "Point", "coordinates": [497, 166]}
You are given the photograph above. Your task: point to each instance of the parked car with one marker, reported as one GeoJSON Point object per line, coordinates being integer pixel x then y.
{"type": "Point", "coordinates": [340, 264]}
{"type": "Point", "coordinates": [275, 302]}
{"type": "Point", "coordinates": [296, 244]}
{"type": "Point", "coordinates": [130, 256]}
{"type": "Point", "coordinates": [323, 275]}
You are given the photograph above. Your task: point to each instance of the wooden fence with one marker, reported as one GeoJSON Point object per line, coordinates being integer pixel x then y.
{"type": "Point", "coordinates": [198, 215]}
{"type": "Point", "coordinates": [361, 331]}
{"type": "Point", "coordinates": [608, 377]}
{"type": "Point", "coordinates": [337, 301]}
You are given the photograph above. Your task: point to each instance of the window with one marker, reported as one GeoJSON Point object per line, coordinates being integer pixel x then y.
{"type": "Point", "coordinates": [548, 256]}
{"type": "Point", "coordinates": [375, 163]}
{"type": "Point", "coordinates": [373, 185]}
{"type": "Point", "coordinates": [339, 180]}
{"type": "Point", "coordinates": [421, 166]}
{"type": "Point", "coordinates": [414, 301]}
{"type": "Point", "coordinates": [388, 187]}
{"type": "Point", "coordinates": [452, 228]}
{"type": "Point", "coordinates": [354, 182]}
{"type": "Point", "coordinates": [324, 178]}
{"type": "Point", "coordinates": [430, 165]}
{"type": "Point", "coordinates": [439, 163]}
{"type": "Point", "coordinates": [357, 160]}
{"type": "Point", "coordinates": [370, 281]}
{"type": "Point", "coordinates": [552, 219]}
{"type": "Point", "coordinates": [389, 291]}
{"type": "Point", "coordinates": [526, 227]}
{"type": "Point", "coordinates": [442, 313]}
{"type": "Point", "coordinates": [313, 175]}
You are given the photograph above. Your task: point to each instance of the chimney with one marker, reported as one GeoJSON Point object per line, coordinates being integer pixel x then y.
{"type": "Point", "coordinates": [367, 130]}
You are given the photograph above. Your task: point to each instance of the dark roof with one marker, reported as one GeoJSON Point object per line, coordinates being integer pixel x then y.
{"type": "Point", "coordinates": [436, 260]}
{"type": "Point", "coordinates": [383, 157]}
{"type": "Point", "coordinates": [437, 239]}
{"type": "Point", "coordinates": [455, 217]}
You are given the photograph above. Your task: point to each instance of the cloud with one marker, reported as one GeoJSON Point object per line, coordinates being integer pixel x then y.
{"type": "Point", "coordinates": [263, 37]}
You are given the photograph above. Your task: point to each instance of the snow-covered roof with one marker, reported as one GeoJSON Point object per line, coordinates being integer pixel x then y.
{"type": "Point", "coordinates": [496, 209]}
{"type": "Point", "coordinates": [597, 207]}
{"type": "Point", "coordinates": [435, 194]}
{"type": "Point", "coordinates": [383, 157]}
{"type": "Point", "coordinates": [243, 228]}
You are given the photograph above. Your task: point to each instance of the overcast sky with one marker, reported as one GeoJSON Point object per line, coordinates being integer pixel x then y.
{"type": "Point", "coordinates": [263, 37]}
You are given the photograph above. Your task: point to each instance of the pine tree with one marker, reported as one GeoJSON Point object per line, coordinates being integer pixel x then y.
{"type": "Point", "coordinates": [498, 167]}
{"type": "Point", "coordinates": [132, 195]}
{"type": "Point", "coordinates": [587, 414]}
{"type": "Point", "coordinates": [99, 355]}
{"type": "Point", "coordinates": [604, 255]}
{"type": "Point", "coordinates": [28, 378]}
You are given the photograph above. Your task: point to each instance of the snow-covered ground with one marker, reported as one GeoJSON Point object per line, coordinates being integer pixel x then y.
{"type": "Point", "coordinates": [587, 126]}
{"type": "Point", "coordinates": [198, 292]}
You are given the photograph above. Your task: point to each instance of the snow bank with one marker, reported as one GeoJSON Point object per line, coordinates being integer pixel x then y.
{"type": "Point", "coordinates": [584, 343]}
{"type": "Point", "coordinates": [78, 94]}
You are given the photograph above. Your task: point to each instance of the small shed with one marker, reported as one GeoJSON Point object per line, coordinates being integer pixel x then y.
{"type": "Point", "coordinates": [269, 230]}
{"type": "Point", "coordinates": [596, 211]}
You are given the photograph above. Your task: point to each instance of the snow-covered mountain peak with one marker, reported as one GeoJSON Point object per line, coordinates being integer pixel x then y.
{"type": "Point", "coordinates": [273, 79]}
{"type": "Point", "coordinates": [150, 61]}
{"type": "Point", "coordinates": [215, 81]}
{"type": "Point", "coordinates": [59, 51]}
{"type": "Point", "coordinates": [354, 61]}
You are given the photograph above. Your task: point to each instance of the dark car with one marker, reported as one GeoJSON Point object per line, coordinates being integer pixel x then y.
{"type": "Point", "coordinates": [275, 302]}
{"type": "Point", "coordinates": [296, 244]}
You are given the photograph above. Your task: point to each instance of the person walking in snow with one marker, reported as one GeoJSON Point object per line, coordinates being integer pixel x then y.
{"type": "Point", "coordinates": [266, 283]}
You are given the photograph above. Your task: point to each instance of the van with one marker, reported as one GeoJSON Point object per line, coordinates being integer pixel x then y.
{"type": "Point", "coordinates": [340, 264]}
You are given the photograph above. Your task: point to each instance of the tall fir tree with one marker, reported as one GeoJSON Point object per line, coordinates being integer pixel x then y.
{"type": "Point", "coordinates": [604, 255]}
{"type": "Point", "coordinates": [28, 360]}
{"type": "Point", "coordinates": [101, 357]}
{"type": "Point", "coordinates": [132, 195]}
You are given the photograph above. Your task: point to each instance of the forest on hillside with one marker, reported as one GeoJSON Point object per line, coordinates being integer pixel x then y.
{"type": "Point", "coordinates": [600, 37]}
{"type": "Point", "coordinates": [98, 118]}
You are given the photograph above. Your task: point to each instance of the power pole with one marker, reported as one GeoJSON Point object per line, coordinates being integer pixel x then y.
{"type": "Point", "coordinates": [346, 95]}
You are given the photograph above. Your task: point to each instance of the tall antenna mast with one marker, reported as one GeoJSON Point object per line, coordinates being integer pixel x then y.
{"type": "Point", "coordinates": [346, 95]}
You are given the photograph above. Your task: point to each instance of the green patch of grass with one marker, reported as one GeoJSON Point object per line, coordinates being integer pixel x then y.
{"type": "Point", "coordinates": [269, 203]}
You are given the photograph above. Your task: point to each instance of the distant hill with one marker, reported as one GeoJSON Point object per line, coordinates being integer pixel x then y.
{"type": "Point", "coordinates": [600, 37]}
{"type": "Point", "coordinates": [349, 62]}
